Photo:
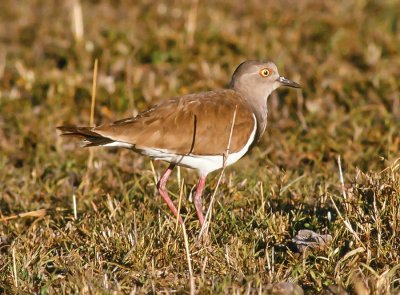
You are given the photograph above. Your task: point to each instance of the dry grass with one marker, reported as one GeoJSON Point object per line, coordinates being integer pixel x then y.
{"type": "Point", "coordinates": [124, 240]}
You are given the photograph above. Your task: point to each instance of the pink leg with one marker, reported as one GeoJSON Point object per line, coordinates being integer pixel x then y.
{"type": "Point", "coordinates": [197, 198]}
{"type": "Point", "coordinates": [161, 185]}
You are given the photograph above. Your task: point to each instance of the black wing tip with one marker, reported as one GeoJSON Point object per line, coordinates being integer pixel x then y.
{"type": "Point", "coordinates": [90, 138]}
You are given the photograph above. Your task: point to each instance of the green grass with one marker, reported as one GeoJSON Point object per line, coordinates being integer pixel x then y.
{"type": "Point", "coordinates": [345, 54]}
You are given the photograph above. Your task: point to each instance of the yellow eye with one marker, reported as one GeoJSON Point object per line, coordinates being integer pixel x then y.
{"type": "Point", "coordinates": [265, 72]}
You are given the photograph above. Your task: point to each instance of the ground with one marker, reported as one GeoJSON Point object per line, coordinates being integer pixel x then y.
{"type": "Point", "coordinates": [123, 238]}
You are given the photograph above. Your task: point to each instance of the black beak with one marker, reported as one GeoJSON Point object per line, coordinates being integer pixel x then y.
{"type": "Point", "coordinates": [287, 82]}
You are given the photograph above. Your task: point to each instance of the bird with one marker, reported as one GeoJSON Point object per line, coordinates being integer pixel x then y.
{"type": "Point", "coordinates": [203, 131]}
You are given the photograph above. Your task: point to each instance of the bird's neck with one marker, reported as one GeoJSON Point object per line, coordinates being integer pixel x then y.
{"type": "Point", "coordinates": [257, 99]}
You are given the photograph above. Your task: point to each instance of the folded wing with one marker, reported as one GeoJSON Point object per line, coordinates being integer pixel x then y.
{"type": "Point", "coordinates": [198, 124]}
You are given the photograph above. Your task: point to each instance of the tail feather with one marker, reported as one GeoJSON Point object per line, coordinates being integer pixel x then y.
{"type": "Point", "coordinates": [90, 137]}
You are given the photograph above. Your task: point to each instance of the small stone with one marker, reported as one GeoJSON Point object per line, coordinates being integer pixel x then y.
{"type": "Point", "coordinates": [308, 239]}
{"type": "Point", "coordinates": [284, 288]}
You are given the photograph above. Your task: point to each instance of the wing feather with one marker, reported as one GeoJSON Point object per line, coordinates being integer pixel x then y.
{"type": "Point", "coordinates": [197, 124]}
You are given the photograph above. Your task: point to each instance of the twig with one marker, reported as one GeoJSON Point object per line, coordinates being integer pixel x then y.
{"type": "Point", "coordinates": [347, 223]}
{"type": "Point", "coordinates": [94, 84]}
{"type": "Point", "coordinates": [74, 206]}
{"type": "Point", "coordinates": [284, 189]}
{"type": "Point", "coordinates": [179, 204]}
{"type": "Point", "coordinates": [91, 124]}
{"type": "Point", "coordinates": [262, 199]}
{"type": "Point", "coordinates": [77, 20]}
{"type": "Point", "coordinates": [192, 282]}
{"type": "Point", "coordinates": [345, 220]}
{"type": "Point", "coordinates": [341, 178]}
{"type": "Point", "coordinates": [191, 22]}
{"type": "Point", "coordinates": [203, 269]}
{"type": "Point", "coordinates": [154, 174]}
{"type": "Point", "coordinates": [207, 218]}
{"type": "Point", "coordinates": [14, 268]}
{"type": "Point", "coordinates": [178, 175]}
{"type": "Point", "coordinates": [36, 213]}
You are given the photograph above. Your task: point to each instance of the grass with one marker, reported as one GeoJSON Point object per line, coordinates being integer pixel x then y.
{"type": "Point", "coordinates": [124, 240]}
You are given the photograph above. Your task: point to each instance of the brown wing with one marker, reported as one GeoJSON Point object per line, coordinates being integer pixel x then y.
{"type": "Point", "coordinates": [197, 124]}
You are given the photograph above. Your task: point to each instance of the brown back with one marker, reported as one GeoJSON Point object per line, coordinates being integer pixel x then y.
{"type": "Point", "coordinates": [197, 124]}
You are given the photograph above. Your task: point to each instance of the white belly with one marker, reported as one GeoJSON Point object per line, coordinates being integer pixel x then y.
{"type": "Point", "coordinates": [204, 164]}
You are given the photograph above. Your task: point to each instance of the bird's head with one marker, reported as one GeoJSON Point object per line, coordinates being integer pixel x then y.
{"type": "Point", "coordinates": [258, 77]}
